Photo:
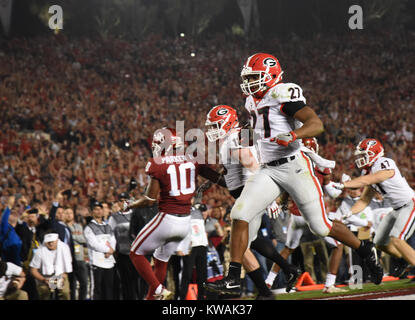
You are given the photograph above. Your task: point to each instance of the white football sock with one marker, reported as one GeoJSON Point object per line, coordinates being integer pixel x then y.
{"type": "Point", "coordinates": [330, 280]}
{"type": "Point", "coordinates": [271, 278]}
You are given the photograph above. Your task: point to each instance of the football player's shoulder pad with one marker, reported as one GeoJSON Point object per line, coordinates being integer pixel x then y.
{"type": "Point", "coordinates": [287, 92]}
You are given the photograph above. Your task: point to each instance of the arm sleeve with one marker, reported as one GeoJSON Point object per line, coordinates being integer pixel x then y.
{"type": "Point", "coordinates": [151, 169]}
{"type": "Point", "coordinates": [112, 223]}
{"type": "Point", "coordinates": [13, 270]}
{"type": "Point", "coordinates": [356, 221]}
{"type": "Point", "coordinates": [36, 261]}
{"type": "Point", "coordinates": [78, 237]}
{"type": "Point", "coordinates": [290, 108]}
{"type": "Point", "coordinates": [52, 212]}
{"type": "Point", "coordinates": [92, 241]}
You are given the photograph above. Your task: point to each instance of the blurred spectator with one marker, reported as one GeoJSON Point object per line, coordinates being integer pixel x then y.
{"type": "Point", "coordinates": [315, 255]}
{"type": "Point", "coordinates": [215, 230]}
{"type": "Point", "coordinates": [197, 258]}
{"type": "Point", "coordinates": [12, 279]}
{"type": "Point", "coordinates": [101, 247]}
{"type": "Point", "coordinates": [57, 224]}
{"type": "Point", "coordinates": [360, 224]}
{"type": "Point", "coordinates": [80, 274]}
{"type": "Point", "coordinates": [26, 229]}
{"type": "Point", "coordinates": [11, 244]}
{"type": "Point", "coordinates": [50, 266]}
{"type": "Point", "coordinates": [119, 222]}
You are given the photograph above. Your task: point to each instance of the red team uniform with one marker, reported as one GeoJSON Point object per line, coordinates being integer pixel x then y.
{"type": "Point", "coordinates": [161, 236]}
{"type": "Point", "coordinates": [177, 177]}
{"type": "Point", "coordinates": [173, 180]}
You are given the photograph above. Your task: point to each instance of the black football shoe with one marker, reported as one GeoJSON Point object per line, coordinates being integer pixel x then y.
{"type": "Point", "coordinates": [373, 263]}
{"type": "Point", "coordinates": [400, 267]}
{"type": "Point", "coordinates": [226, 286]}
{"type": "Point", "coordinates": [292, 276]}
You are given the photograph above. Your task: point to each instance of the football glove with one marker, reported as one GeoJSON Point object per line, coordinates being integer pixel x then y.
{"type": "Point", "coordinates": [331, 190]}
{"type": "Point", "coordinates": [345, 177]}
{"type": "Point", "coordinates": [284, 139]}
{"type": "Point", "coordinates": [273, 210]}
{"type": "Point", "coordinates": [337, 185]}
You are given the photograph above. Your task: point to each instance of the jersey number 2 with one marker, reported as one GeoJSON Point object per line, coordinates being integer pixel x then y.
{"type": "Point", "coordinates": [179, 186]}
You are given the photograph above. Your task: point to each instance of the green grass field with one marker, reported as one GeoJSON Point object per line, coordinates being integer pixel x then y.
{"type": "Point", "coordinates": [368, 287]}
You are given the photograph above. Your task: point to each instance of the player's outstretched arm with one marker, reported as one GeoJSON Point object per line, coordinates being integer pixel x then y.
{"type": "Point", "coordinates": [210, 174]}
{"type": "Point", "coordinates": [149, 198]}
{"type": "Point", "coordinates": [369, 179]}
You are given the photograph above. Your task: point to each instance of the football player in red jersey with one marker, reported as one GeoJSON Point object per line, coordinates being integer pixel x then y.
{"type": "Point", "coordinates": [281, 118]}
{"type": "Point", "coordinates": [173, 177]}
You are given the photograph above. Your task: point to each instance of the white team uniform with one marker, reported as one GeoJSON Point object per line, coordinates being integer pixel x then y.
{"type": "Point", "coordinates": [296, 229]}
{"type": "Point", "coordinates": [236, 174]}
{"type": "Point", "coordinates": [400, 223]}
{"type": "Point", "coordinates": [295, 176]}
{"type": "Point", "coordinates": [298, 226]}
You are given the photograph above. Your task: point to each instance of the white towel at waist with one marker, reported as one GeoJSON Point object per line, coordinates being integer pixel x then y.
{"type": "Point", "coordinates": [318, 160]}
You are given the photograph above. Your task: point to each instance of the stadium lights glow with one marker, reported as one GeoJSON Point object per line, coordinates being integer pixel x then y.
{"type": "Point", "coordinates": [192, 54]}
{"type": "Point", "coordinates": [182, 35]}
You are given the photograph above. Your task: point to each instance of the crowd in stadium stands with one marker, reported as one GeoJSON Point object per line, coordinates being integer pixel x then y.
{"type": "Point", "coordinates": [79, 114]}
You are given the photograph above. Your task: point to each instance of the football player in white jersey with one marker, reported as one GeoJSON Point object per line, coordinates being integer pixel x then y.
{"type": "Point", "coordinates": [241, 162]}
{"type": "Point", "coordinates": [281, 118]}
{"type": "Point", "coordinates": [380, 174]}
{"type": "Point", "coordinates": [298, 225]}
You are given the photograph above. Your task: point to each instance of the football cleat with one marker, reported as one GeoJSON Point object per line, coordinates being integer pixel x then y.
{"type": "Point", "coordinates": [227, 285]}
{"type": "Point", "coordinates": [333, 289]}
{"type": "Point", "coordinates": [164, 295]}
{"type": "Point", "coordinates": [399, 269]}
{"type": "Point", "coordinates": [373, 264]}
{"type": "Point", "coordinates": [292, 277]}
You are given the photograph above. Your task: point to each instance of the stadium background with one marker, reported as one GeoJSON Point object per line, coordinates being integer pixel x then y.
{"type": "Point", "coordinates": [120, 69]}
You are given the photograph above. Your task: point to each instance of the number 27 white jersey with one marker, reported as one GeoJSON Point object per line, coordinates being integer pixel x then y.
{"type": "Point", "coordinates": [269, 120]}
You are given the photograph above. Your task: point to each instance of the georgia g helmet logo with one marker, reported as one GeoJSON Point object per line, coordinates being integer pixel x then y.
{"type": "Point", "coordinates": [371, 143]}
{"type": "Point", "coordinates": [269, 62]}
{"type": "Point", "coordinates": [222, 112]}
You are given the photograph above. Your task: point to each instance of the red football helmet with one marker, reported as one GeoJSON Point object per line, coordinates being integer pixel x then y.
{"type": "Point", "coordinates": [166, 140]}
{"type": "Point", "coordinates": [367, 152]}
{"type": "Point", "coordinates": [220, 120]}
{"type": "Point", "coordinates": [259, 73]}
{"type": "Point", "coordinates": [311, 143]}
